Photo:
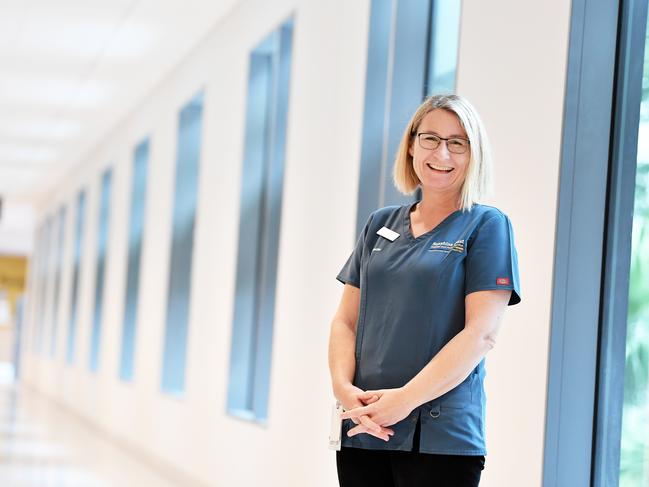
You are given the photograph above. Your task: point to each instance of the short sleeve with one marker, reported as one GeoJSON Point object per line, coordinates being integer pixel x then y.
{"type": "Point", "coordinates": [492, 261]}
{"type": "Point", "coordinates": [351, 271]}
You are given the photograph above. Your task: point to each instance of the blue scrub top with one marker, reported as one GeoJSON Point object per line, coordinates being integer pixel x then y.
{"type": "Point", "coordinates": [412, 304]}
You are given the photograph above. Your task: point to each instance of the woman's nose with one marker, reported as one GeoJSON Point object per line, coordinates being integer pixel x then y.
{"type": "Point", "coordinates": [442, 150]}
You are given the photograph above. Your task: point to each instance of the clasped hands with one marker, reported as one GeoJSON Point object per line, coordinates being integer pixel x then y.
{"type": "Point", "coordinates": [374, 411]}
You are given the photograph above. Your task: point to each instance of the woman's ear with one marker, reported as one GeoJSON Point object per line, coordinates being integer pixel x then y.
{"type": "Point", "coordinates": [411, 149]}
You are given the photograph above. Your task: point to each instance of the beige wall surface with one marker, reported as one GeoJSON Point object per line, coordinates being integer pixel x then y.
{"type": "Point", "coordinates": [511, 66]}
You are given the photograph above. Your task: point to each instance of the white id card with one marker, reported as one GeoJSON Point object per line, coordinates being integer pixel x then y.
{"type": "Point", "coordinates": [336, 426]}
{"type": "Point", "coordinates": [385, 232]}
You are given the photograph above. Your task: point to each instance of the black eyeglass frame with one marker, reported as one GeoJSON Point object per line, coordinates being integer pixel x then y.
{"type": "Point", "coordinates": [445, 139]}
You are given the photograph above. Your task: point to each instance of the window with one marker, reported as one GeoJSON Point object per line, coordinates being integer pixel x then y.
{"type": "Point", "coordinates": [412, 52]}
{"type": "Point", "coordinates": [100, 276]}
{"type": "Point", "coordinates": [444, 38]}
{"type": "Point", "coordinates": [136, 231]}
{"type": "Point", "coordinates": [76, 271]}
{"type": "Point", "coordinates": [634, 455]}
{"type": "Point", "coordinates": [596, 422]}
{"type": "Point", "coordinates": [180, 269]}
{"type": "Point", "coordinates": [43, 265]}
{"type": "Point", "coordinates": [58, 265]}
{"type": "Point", "coordinates": [37, 285]}
{"type": "Point", "coordinates": [259, 224]}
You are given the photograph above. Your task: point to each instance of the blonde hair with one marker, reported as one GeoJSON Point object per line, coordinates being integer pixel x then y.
{"type": "Point", "coordinates": [477, 181]}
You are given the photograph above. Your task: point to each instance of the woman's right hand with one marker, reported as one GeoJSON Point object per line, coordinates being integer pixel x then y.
{"type": "Point", "coordinates": [349, 397]}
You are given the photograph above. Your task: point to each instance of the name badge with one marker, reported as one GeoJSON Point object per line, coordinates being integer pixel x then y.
{"type": "Point", "coordinates": [385, 232]}
{"type": "Point", "coordinates": [336, 426]}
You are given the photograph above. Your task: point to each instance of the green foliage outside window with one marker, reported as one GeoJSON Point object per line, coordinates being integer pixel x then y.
{"type": "Point", "coordinates": [634, 468]}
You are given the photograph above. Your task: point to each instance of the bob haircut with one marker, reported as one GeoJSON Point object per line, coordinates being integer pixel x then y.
{"type": "Point", "coordinates": [477, 181]}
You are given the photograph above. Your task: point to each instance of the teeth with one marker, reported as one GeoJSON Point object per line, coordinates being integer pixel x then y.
{"type": "Point", "coordinates": [441, 168]}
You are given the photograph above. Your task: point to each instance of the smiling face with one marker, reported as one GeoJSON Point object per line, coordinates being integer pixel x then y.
{"type": "Point", "coordinates": [438, 169]}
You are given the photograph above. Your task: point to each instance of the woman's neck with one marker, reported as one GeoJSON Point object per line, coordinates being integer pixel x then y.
{"type": "Point", "coordinates": [435, 205]}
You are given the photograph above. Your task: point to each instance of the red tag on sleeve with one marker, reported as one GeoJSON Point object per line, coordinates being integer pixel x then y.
{"type": "Point", "coordinates": [502, 281]}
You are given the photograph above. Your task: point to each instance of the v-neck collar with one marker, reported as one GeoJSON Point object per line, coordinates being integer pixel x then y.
{"type": "Point", "coordinates": [408, 231]}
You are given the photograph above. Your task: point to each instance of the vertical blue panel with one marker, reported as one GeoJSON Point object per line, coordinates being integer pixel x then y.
{"type": "Point", "coordinates": [44, 271]}
{"type": "Point", "coordinates": [46, 262]}
{"type": "Point", "coordinates": [259, 227]}
{"type": "Point", "coordinates": [18, 336]}
{"type": "Point", "coordinates": [33, 286]}
{"type": "Point", "coordinates": [76, 271]}
{"type": "Point", "coordinates": [35, 275]}
{"type": "Point", "coordinates": [180, 268]}
{"type": "Point", "coordinates": [410, 58]}
{"type": "Point", "coordinates": [57, 280]}
{"type": "Point", "coordinates": [578, 259]}
{"type": "Point", "coordinates": [376, 110]}
{"type": "Point", "coordinates": [621, 439]}
{"type": "Point", "coordinates": [444, 38]}
{"type": "Point", "coordinates": [252, 190]}
{"type": "Point", "coordinates": [272, 222]}
{"type": "Point", "coordinates": [37, 288]}
{"type": "Point", "coordinates": [136, 232]}
{"type": "Point", "coordinates": [412, 53]}
{"type": "Point", "coordinates": [100, 276]}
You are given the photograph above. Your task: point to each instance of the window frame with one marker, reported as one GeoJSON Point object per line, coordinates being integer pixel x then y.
{"type": "Point", "coordinates": [101, 267]}
{"type": "Point", "coordinates": [266, 131]}
{"type": "Point", "coordinates": [187, 168]}
{"type": "Point", "coordinates": [135, 241]}
{"type": "Point", "coordinates": [593, 229]}
{"type": "Point", "coordinates": [397, 81]}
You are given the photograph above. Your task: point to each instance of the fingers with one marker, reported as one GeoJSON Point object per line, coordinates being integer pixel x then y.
{"type": "Point", "coordinates": [372, 399]}
{"type": "Point", "coordinates": [367, 395]}
{"type": "Point", "coordinates": [356, 412]}
{"type": "Point", "coordinates": [388, 431]}
{"type": "Point", "coordinates": [369, 424]}
{"type": "Point", "coordinates": [383, 435]}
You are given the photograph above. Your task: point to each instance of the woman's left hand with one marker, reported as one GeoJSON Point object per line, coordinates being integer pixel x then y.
{"type": "Point", "coordinates": [392, 406]}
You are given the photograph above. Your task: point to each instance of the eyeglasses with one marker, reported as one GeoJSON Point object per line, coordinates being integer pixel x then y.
{"type": "Point", "coordinates": [456, 145]}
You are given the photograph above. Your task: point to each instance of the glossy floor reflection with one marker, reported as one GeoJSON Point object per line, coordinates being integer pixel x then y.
{"type": "Point", "coordinates": [42, 445]}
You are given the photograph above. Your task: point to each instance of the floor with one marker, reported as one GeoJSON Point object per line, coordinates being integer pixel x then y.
{"type": "Point", "coordinates": [42, 445]}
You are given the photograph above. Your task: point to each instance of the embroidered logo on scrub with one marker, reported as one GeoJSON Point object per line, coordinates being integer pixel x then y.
{"type": "Point", "coordinates": [502, 281]}
{"type": "Point", "coordinates": [447, 246]}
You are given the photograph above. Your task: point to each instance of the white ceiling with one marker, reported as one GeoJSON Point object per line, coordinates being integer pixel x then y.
{"type": "Point", "coordinates": [70, 70]}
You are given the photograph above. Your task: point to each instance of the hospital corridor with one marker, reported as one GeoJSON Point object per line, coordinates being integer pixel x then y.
{"type": "Point", "coordinates": [181, 183]}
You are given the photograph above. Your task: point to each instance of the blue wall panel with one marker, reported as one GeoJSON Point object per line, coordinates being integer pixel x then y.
{"type": "Point", "coordinates": [136, 233]}
{"type": "Point", "coordinates": [444, 40]}
{"type": "Point", "coordinates": [180, 268]}
{"type": "Point", "coordinates": [45, 263]}
{"type": "Point", "coordinates": [259, 227]}
{"type": "Point", "coordinates": [412, 52]}
{"type": "Point", "coordinates": [60, 242]}
{"type": "Point", "coordinates": [76, 274]}
{"type": "Point", "coordinates": [100, 276]}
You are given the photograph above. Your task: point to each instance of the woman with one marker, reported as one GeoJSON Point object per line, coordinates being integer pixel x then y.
{"type": "Point", "coordinates": [425, 290]}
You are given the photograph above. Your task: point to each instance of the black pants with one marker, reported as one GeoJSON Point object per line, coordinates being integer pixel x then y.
{"type": "Point", "coordinates": [387, 468]}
